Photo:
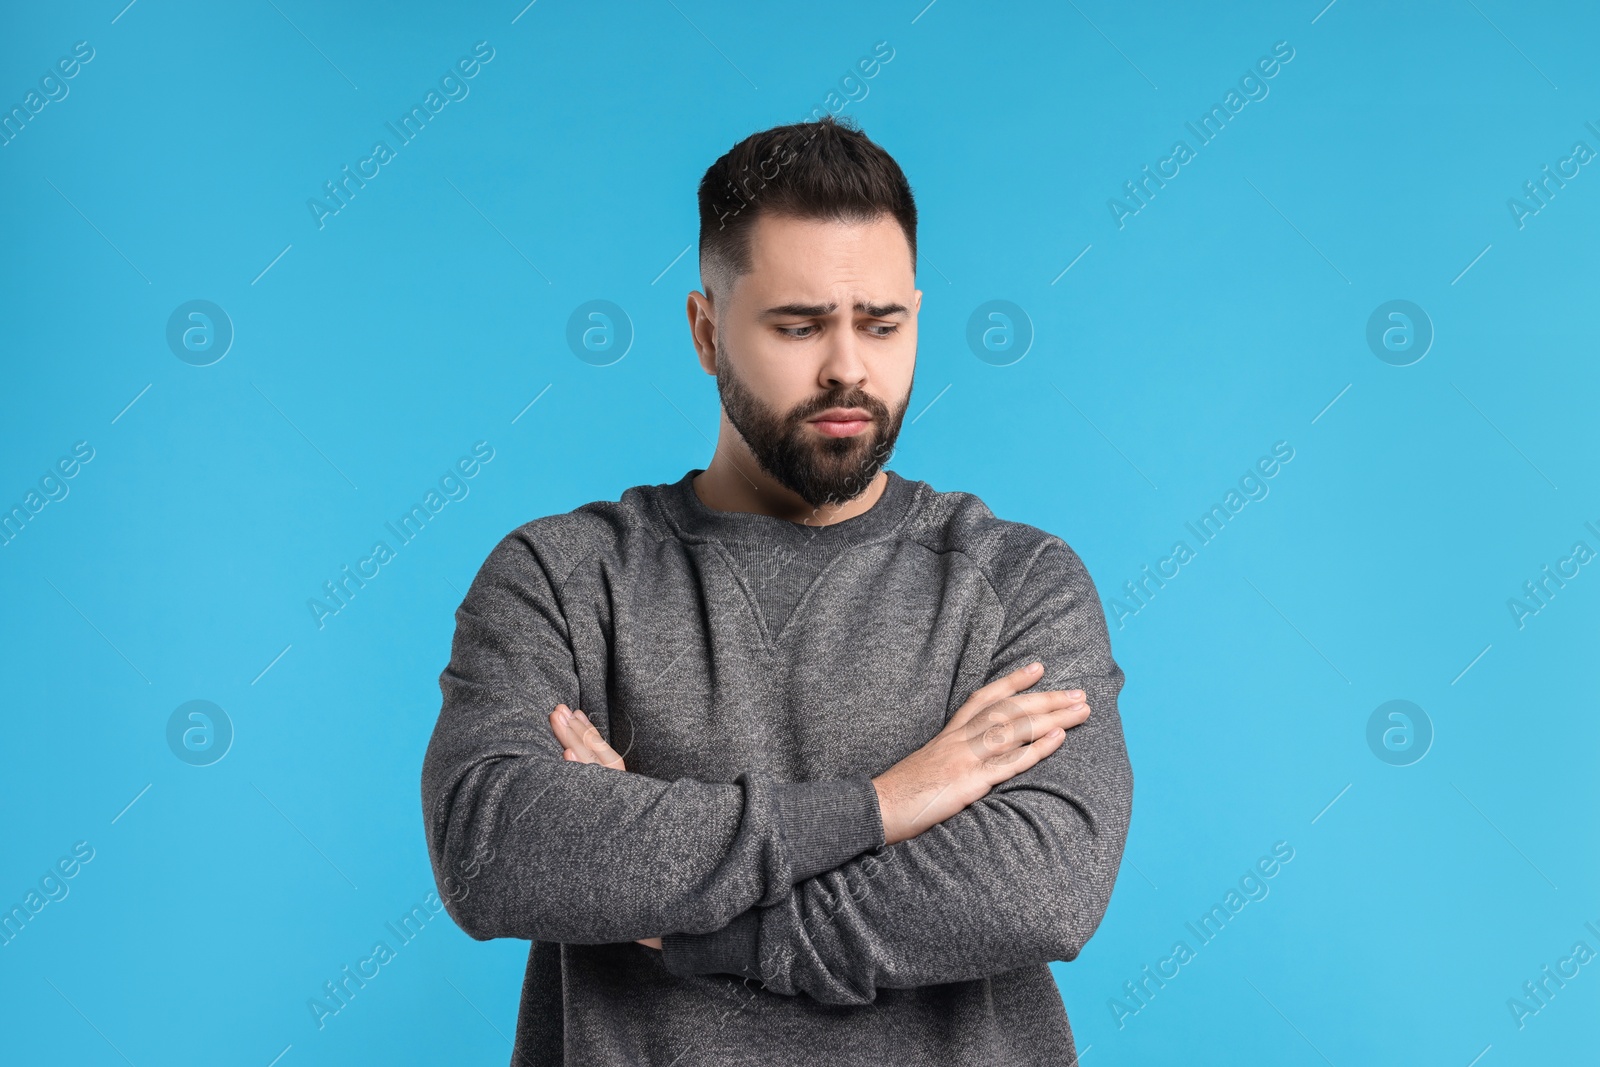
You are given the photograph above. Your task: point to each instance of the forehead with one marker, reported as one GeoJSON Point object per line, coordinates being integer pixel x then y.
{"type": "Point", "coordinates": [819, 257]}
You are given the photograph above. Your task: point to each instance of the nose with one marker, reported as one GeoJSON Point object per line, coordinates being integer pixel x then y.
{"type": "Point", "coordinates": [842, 365]}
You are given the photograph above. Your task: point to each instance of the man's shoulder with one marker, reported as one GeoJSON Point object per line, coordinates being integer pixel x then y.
{"type": "Point", "coordinates": [559, 542]}
{"type": "Point", "coordinates": [1032, 571]}
{"type": "Point", "coordinates": [960, 521]}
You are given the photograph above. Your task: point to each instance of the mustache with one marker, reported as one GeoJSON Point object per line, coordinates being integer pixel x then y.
{"type": "Point", "coordinates": [877, 408]}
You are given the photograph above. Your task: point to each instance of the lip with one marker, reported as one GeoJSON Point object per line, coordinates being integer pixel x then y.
{"type": "Point", "coordinates": [843, 415]}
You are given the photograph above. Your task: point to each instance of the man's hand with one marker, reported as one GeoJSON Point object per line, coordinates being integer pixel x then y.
{"type": "Point", "coordinates": [994, 736]}
{"type": "Point", "coordinates": [581, 740]}
{"type": "Point", "coordinates": [583, 744]}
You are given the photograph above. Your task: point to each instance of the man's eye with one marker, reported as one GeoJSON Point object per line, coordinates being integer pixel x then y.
{"type": "Point", "coordinates": [877, 330]}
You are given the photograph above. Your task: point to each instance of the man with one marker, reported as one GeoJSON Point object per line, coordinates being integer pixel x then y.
{"type": "Point", "coordinates": [762, 760]}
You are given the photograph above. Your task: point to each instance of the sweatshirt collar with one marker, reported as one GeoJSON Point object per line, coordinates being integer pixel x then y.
{"type": "Point", "coordinates": [695, 520]}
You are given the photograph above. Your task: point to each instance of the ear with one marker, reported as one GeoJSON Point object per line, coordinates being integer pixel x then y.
{"type": "Point", "coordinates": [703, 330]}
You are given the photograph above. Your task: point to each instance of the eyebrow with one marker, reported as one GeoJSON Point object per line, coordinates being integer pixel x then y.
{"type": "Point", "coordinates": [812, 311]}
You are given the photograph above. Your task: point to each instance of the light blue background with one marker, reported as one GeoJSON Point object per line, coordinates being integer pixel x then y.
{"type": "Point", "coordinates": [1229, 314]}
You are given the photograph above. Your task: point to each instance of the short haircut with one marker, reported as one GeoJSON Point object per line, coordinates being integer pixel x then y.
{"type": "Point", "coordinates": [810, 170]}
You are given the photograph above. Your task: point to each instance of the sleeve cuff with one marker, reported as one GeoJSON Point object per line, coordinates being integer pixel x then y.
{"type": "Point", "coordinates": [827, 823]}
{"type": "Point", "coordinates": [730, 950]}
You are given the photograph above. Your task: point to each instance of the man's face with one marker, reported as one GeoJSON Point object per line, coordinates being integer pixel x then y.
{"type": "Point", "coordinates": [825, 320]}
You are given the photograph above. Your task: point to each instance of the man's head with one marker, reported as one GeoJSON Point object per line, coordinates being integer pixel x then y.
{"type": "Point", "coordinates": [808, 262]}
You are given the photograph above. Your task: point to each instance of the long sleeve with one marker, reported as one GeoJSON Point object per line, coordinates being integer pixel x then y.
{"type": "Point", "coordinates": [1022, 876]}
{"type": "Point", "coordinates": [528, 845]}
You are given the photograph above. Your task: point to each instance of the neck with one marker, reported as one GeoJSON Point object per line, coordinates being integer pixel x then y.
{"type": "Point", "coordinates": [739, 484]}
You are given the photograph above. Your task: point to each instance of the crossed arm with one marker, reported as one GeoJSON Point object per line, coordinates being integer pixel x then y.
{"type": "Point", "coordinates": [1022, 876]}
{"type": "Point", "coordinates": [525, 844]}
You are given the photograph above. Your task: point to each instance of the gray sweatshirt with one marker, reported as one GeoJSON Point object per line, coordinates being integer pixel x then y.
{"type": "Point", "coordinates": [755, 674]}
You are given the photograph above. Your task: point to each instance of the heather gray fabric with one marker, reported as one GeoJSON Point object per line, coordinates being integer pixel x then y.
{"type": "Point", "coordinates": [755, 674]}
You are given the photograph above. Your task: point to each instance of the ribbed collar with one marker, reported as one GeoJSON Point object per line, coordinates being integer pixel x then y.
{"type": "Point", "coordinates": [694, 520]}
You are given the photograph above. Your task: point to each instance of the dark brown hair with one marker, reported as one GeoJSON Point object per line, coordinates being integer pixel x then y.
{"type": "Point", "coordinates": [812, 170]}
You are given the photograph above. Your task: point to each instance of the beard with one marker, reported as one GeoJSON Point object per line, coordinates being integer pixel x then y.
{"type": "Point", "coordinates": [821, 470]}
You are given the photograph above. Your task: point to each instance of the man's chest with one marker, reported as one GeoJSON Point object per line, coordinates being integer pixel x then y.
{"type": "Point", "coordinates": [705, 662]}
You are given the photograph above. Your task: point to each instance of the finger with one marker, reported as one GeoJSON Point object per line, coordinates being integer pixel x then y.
{"type": "Point", "coordinates": [566, 733]}
{"type": "Point", "coordinates": [1039, 726]}
{"type": "Point", "coordinates": [576, 745]}
{"type": "Point", "coordinates": [560, 720]}
{"type": "Point", "coordinates": [604, 754]}
{"type": "Point", "coordinates": [580, 754]}
{"type": "Point", "coordinates": [999, 689]}
{"type": "Point", "coordinates": [597, 745]}
{"type": "Point", "coordinates": [1004, 735]}
{"type": "Point", "coordinates": [574, 729]}
{"type": "Point", "coordinates": [1010, 764]}
{"type": "Point", "coordinates": [1017, 706]}
{"type": "Point", "coordinates": [998, 724]}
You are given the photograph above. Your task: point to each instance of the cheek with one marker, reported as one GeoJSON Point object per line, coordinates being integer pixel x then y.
{"type": "Point", "coordinates": [779, 372]}
{"type": "Point", "coordinates": [901, 368]}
